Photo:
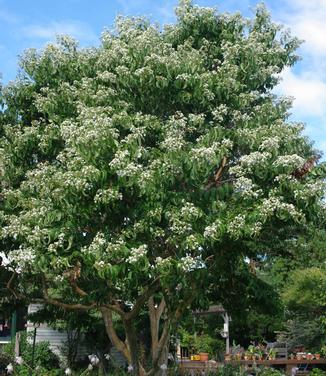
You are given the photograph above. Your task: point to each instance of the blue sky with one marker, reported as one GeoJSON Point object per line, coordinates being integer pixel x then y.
{"type": "Point", "coordinates": [25, 24]}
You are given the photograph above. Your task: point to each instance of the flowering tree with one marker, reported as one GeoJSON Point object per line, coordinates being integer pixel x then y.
{"type": "Point", "coordinates": [134, 173]}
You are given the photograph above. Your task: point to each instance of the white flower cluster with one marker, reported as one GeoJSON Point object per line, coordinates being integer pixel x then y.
{"type": "Point", "coordinates": [219, 113]}
{"type": "Point", "coordinates": [107, 76]}
{"type": "Point", "coordinates": [189, 211]}
{"type": "Point", "coordinates": [136, 135]}
{"type": "Point", "coordinates": [179, 227]}
{"type": "Point", "coordinates": [163, 262]}
{"type": "Point", "coordinates": [207, 153]}
{"type": "Point", "coordinates": [174, 141]}
{"type": "Point", "coordinates": [37, 235]}
{"type": "Point", "coordinates": [120, 160]}
{"type": "Point", "coordinates": [238, 116]}
{"type": "Point", "coordinates": [137, 253]}
{"type": "Point", "coordinates": [285, 178]}
{"type": "Point", "coordinates": [22, 257]}
{"type": "Point", "coordinates": [14, 228]}
{"type": "Point", "coordinates": [315, 189]}
{"type": "Point", "coordinates": [256, 158]}
{"type": "Point", "coordinates": [274, 204]}
{"type": "Point", "coordinates": [105, 196]}
{"type": "Point", "coordinates": [130, 170]}
{"type": "Point", "coordinates": [256, 229]}
{"type": "Point", "coordinates": [236, 226]}
{"type": "Point", "coordinates": [175, 129]}
{"type": "Point", "coordinates": [123, 166]}
{"type": "Point", "coordinates": [246, 188]}
{"type": "Point", "coordinates": [210, 153]}
{"type": "Point", "coordinates": [99, 265]}
{"type": "Point", "coordinates": [213, 231]}
{"type": "Point", "coordinates": [53, 247]}
{"type": "Point", "coordinates": [292, 160]}
{"type": "Point", "coordinates": [271, 143]}
{"type": "Point", "coordinates": [196, 119]}
{"type": "Point", "coordinates": [189, 263]}
{"type": "Point", "coordinates": [97, 246]}
{"type": "Point", "coordinates": [192, 243]}
{"type": "Point", "coordinates": [59, 279]}
{"type": "Point", "coordinates": [116, 246]}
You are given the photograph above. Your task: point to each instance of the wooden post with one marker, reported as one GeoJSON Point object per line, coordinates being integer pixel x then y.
{"type": "Point", "coordinates": [226, 330]}
{"type": "Point", "coordinates": [17, 344]}
{"type": "Point", "coordinates": [13, 325]}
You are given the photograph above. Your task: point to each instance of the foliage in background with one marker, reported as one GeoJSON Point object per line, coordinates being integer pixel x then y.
{"type": "Point", "coordinates": [300, 278]}
{"type": "Point", "coordinates": [44, 356]}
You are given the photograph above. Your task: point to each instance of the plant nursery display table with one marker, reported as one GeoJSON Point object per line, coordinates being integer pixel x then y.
{"type": "Point", "coordinates": [286, 364]}
{"type": "Point", "coordinates": [197, 367]}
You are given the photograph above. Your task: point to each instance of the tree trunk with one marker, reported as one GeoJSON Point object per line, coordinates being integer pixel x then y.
{"type": "Point", "coordinates": [131, 336]}
{"type": "Point", "coordinates": [130, 348]}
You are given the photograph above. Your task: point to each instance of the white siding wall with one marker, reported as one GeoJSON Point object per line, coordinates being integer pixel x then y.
{"type": "Point", "coordinates": [56, 338]}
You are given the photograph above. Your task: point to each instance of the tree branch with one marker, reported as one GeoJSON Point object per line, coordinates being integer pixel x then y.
{"type": "Point", "coordinates": [58, 303]}
{"type": "Point", "coordinates": [217, 175]}
{"type": "Point", "coordinates": [11, 289]}
{"type": "Point", "coordinates": [149, 291]}
{"type": "Point", "coordinates": [117, 342]}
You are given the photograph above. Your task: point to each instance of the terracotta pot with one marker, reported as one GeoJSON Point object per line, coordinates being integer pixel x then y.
{"type": "Point", "coordinates": [203, 356]}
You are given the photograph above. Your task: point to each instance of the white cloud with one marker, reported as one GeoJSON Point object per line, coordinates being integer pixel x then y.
{"type": "Point", "coordinates": [307, 20]}
{"type": "Point", "coordinates": [307, 83]}
{"type": "Point", "coordinates": [48, 32]}
{"type": "Point", "coordinates": [309, 91]}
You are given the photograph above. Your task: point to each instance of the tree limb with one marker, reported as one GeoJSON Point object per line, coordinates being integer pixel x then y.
{"type": "Point", "coordinates": [11, 289]}
{"type": "Point", "coordinates": [217, 175]}
{"type": "Point", "coordinates": [58, 303]}
{"type": "Point", "coordinates": [141, 300]}
{"type": "Point", "coordinates": [117, 342]}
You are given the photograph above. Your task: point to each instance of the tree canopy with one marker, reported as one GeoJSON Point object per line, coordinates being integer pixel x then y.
{"type": "Point", "coordinates": [141, 173]}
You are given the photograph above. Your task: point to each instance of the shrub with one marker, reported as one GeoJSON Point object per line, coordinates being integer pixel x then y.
{"type": "Point", "coordinates": [44, 357]}
{"type": "Point", "coordinates": [317, 372]}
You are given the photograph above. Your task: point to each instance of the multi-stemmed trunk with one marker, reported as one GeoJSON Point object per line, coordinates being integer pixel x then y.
{"type": "Point", "coordinates": [130, 347]}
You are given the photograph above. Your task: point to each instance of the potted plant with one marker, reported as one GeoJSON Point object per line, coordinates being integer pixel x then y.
{"type": "Point", "coordinates": [260, 353]}
{"type": "Point", "coordinates": [252, 352]}
{"type": "Point", "coordinates": [205, 346]}
{"type": "Point", "coordinates": [299, 356]}
{"type": "Point", "coordinates": [310, 356]}
{"type": "Point", "coordinates": [323, 352]}
{"type": "Point", "coordinates": [238, 356]}
{"type": "Point", "coordinates": [247, 355]}
{"type": "Point", "coordinates": [272, 354]}
{"type": "Point", "coordinates": [228, 357]}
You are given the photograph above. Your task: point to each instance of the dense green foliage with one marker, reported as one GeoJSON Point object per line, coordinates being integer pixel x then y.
{"type": "Point", "coordinates": [44, 358]}
{"type": "Point", "coordinates": [151, 168]}
{"type": "Point", "coordinates": [300, 279]}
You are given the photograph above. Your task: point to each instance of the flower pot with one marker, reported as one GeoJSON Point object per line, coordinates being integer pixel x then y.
{"type": "Point", "coordinates": [238, 356]}
{"type": "Point", "coordinates": [203, 356]}
{"type": "Point", "coordinates": [317, 356]}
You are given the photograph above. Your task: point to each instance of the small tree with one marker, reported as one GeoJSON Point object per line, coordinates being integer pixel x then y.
{"type": "Point", "coordinates": [138, 174]}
